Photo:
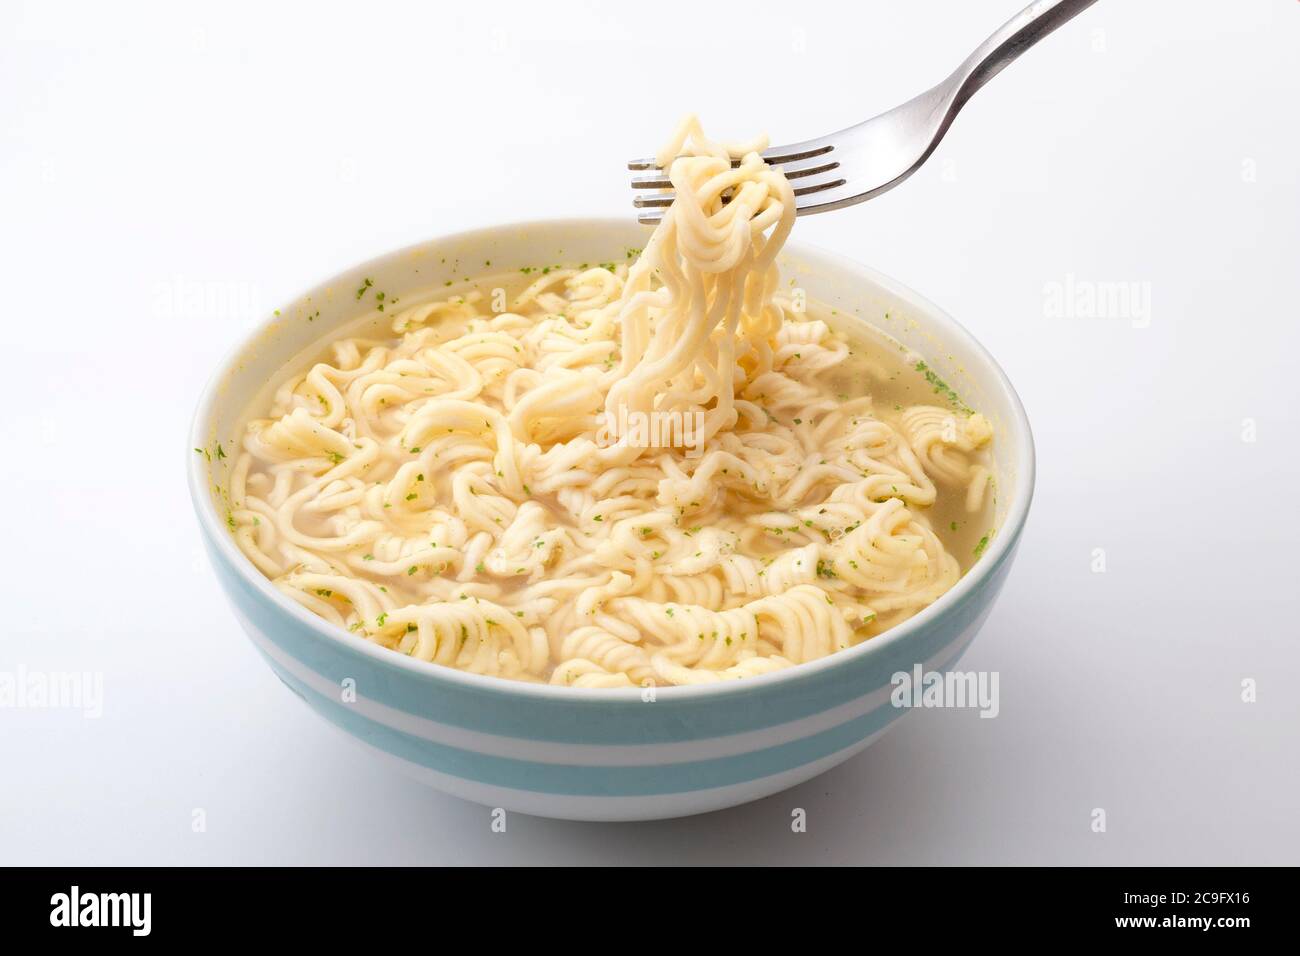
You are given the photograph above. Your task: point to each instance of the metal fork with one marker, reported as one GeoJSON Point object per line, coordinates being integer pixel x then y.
{"type": "Point", "coordinates": [863, 161]}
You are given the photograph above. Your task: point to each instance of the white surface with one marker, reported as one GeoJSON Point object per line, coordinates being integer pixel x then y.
{"type": "Point", "coordinates": [166, 177]}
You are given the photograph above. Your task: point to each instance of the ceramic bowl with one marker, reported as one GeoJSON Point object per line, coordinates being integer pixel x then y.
{"type": "Point", "coordinates": [624, 754]}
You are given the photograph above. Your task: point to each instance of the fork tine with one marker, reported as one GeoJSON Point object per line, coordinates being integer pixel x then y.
{"type": "Point", "coordinates": [808, 164]}
{"type": "Point", "coordinates": [812, 183]}
{"type": "Point", "coordinates": [777, 155]}
{"type": "Point", "coordinates": [656, 179]}
{"type": "Point", "coordinates": [834, 196]}
{"type": "Point", "coordinates": [773, 155]}
{"type": "Point", "coordinates": [815, 196]}
{"type": "Point", "coordinates": [806, 187]}
{"type": "Point", "coordinates": [796, 169]}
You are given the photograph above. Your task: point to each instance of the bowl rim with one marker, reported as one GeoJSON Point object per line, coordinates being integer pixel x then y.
{"type": "Point", "coordinates": [948, 329]}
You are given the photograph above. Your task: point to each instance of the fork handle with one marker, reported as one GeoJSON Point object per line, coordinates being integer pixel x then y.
{"type": "Point", "coordinates": [1010, 40]}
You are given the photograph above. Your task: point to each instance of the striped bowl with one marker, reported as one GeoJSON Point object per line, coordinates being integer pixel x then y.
{"type": "Point", "coordinates": [622, 754]}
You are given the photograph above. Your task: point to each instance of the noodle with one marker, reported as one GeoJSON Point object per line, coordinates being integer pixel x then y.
{"type": "Point", "coordinates": [635, 476]}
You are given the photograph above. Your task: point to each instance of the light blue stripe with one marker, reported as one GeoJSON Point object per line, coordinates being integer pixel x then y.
{"type": "Point", "coordinates": [579, 719]}
{"type": "Point", "coordinates": [580, 780]}
{"type": "Point", "coordinates": [586, 780]}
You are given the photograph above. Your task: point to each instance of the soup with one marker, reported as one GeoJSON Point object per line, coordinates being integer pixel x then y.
{"type": "Point", "coordinates": [666, 469]}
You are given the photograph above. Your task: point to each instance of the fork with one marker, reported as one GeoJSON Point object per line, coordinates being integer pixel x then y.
{"type": "Point", "coordinates": [865, 160]}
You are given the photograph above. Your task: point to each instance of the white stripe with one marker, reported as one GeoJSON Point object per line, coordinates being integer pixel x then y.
{"type": "Point", "coordinates": [594, 755]}
{"type": "Point", "coordinates": [655, 806]}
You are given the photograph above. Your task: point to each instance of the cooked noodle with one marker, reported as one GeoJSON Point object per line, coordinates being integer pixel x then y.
{"type": "Point", "coordinates": [635, 476]}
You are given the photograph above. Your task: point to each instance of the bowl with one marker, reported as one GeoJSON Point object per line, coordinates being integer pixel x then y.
{"type": "Point", "coordinates": [615, 754]}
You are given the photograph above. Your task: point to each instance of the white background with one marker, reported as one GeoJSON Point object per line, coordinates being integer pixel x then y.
{"type": "Point", "coordinates": [168, 176]}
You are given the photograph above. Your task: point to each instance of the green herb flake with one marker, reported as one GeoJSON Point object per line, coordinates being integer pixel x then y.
{"type": "Point", "coordinates": [941, 388]}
